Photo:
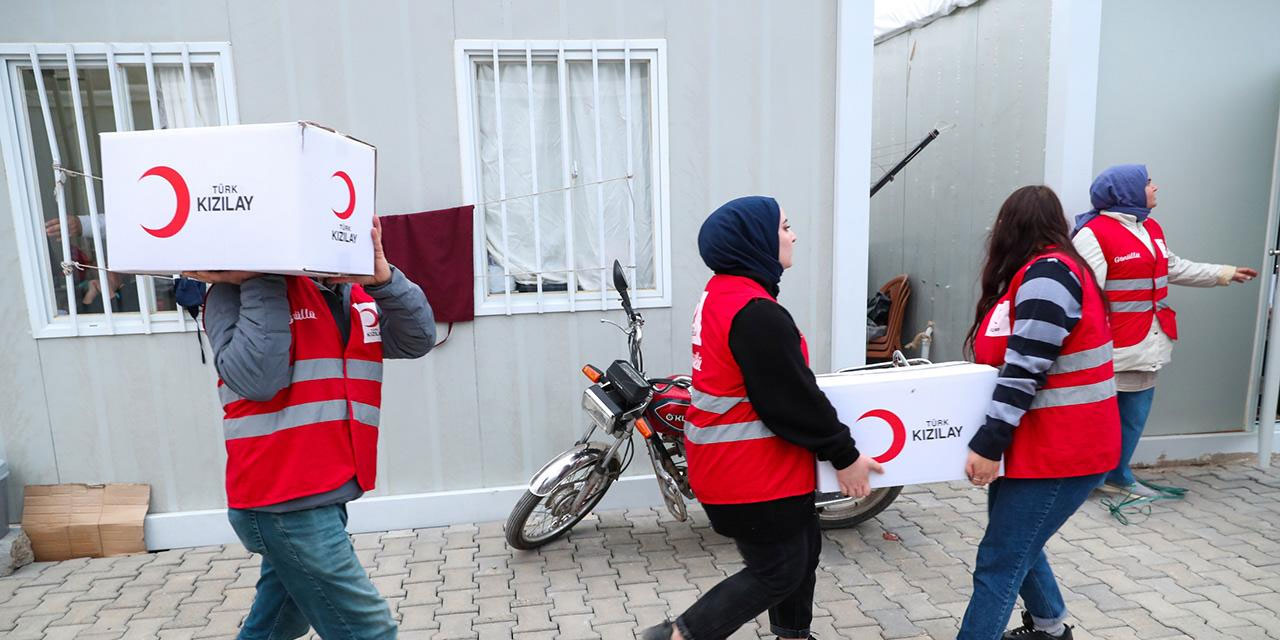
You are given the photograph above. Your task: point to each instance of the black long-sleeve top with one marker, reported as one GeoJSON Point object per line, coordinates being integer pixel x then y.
{"type": "Point", "coordinates": [765, 343]}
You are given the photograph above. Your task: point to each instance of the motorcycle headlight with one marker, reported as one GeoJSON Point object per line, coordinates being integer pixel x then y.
{"type": "Point", "coordinates": [600, 408]}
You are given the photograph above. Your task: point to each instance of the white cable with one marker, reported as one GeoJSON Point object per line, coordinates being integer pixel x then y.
{"type": "Point", "coordinates": [68, 265]}
{"type": "Point", "coordinates": [556, 190]}
{"type": "Point", "coordinates": [63, 170]}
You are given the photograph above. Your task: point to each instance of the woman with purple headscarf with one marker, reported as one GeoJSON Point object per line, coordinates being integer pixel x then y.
{"type": "Point", "coordinates": [1127, 251]}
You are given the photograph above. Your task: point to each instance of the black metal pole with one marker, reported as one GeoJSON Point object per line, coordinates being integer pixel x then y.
{"type": "Point", "coordinates": [888, 177]}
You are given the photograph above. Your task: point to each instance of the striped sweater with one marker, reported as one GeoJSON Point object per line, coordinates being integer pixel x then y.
{"type": "Point", "coordinates": [1046, 308]}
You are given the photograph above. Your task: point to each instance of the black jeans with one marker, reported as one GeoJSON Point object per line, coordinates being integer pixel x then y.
{"type": "Point", "coordinates": [779, 577]}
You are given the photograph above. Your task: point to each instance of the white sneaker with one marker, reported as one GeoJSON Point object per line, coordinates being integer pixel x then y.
{"type": "Point", "coordinates": [1135, 490]}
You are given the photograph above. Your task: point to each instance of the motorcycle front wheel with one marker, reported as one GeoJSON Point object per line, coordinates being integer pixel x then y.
{"type": "Point", "coordinates": [537, 520]}
{"type": "Point", "coordinates": [854, 512]}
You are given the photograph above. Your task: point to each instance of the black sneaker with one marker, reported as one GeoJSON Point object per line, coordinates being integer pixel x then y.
{"type": "Point", "coordinates": [1028, 631]}
{"type": "Point", "coordinates": [658, 632]}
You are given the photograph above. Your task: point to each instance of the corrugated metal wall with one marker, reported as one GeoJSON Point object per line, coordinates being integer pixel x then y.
{"type": "Point", "coordinates": [1189, 88]}
{"type": "Point", "coordinates": [751, 110]}
{"type": "Point", "coordinates": [985, 70]}
{"type": "Point", "coordinates": [1192, 90]}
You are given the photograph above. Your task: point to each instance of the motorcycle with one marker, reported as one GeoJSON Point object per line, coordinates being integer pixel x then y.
{"type": "Point", "coordinates": [619, 402]}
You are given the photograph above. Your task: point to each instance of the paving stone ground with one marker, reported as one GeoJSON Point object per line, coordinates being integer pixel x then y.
{"type": "Point", "coordinates": [1204, 568]}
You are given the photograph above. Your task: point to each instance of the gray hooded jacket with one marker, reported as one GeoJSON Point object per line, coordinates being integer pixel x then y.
{"type": "Point", "coordinates": [248, 327]}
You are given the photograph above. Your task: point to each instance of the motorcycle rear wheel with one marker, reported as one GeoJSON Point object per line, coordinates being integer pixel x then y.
{"type": "Point", "coordinates": [856, 512]}
{"type": "Point", "coordinates": [559, 514]}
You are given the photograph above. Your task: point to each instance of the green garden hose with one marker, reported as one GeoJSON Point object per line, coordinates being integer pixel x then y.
{"type": "Point", "coordinates": [1133, 505]}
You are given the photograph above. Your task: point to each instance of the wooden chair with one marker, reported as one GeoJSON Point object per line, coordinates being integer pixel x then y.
{"type": "Point", "coordinates": [899, 291]}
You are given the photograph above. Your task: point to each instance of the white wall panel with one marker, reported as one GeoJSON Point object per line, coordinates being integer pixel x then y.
{"type": "Point", "coordinates": [751, 111]}
{"type": "Point", "coordinates": [1200, 111]}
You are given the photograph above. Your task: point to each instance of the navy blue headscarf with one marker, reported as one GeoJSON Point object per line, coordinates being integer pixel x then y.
{"type": "Point", "coordinates": [741, 237]}
{"type": "Point", "coordinates": [1122, 189]}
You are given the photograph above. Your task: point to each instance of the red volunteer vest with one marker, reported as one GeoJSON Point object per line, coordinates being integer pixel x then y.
{"type": "Point", "coordinates": [733, 457]}
{"type": "Point", "coordinates": [322, 429]}
{"type": "Point", "coordinates": [1073, 426]}
{"type": "Point", "coordinates": [1137, 280]}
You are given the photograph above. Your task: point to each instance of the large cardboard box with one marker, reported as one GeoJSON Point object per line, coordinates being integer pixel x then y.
{"type": "Point", "coordinates": [292, 198]}
{"type": "Point", "coordinates": [67, 521]}
{"type": "Point", "coordinates": [916, 421]}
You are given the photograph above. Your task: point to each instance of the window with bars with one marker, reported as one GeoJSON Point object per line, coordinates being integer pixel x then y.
{"type": "Point", "coordinates": [57, 99]}
{"type": "Point", "coordinates": [564, 153]}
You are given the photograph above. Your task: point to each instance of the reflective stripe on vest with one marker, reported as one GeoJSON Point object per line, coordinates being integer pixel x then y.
{"type": "Point", "coordinates": [316, 369]}
{"type": "Point", "coordinates": [1082, 360]}
{"type": "Point", "coordinates": [366, 413]}
{"type": "Point", "coordinates": [1131, 306]}
{"type": "Point", "coordinates": [1068, 396]}
{"type": "Point", "coordinates": [704, 401]}
{"type": "Point", "coordinates": [736, 432]}
{"type": "Point", "coordinates": [297, 416]}
{"type": "Point", "coordinates": [286, 418]}
{"type": "Point", "coordinates": [1136, 284]}
{"type": "Point", "coordinates": [364, 370]}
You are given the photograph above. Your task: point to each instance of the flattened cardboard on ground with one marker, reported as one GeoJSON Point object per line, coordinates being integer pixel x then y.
{"type": "Point", "coordinates": [86, 510]}
{"type": "Point", "coordinates": [124, 507]}
{"type": "Point", "coordinates": [46, 519]}
{"type": "Point", "coordinates": [67, 521]}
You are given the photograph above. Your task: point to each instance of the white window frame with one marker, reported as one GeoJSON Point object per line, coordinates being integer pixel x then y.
{"type": "Point", "coordinates": [654, 51]}
{"type": "Point", "coordinates": [18, 155]}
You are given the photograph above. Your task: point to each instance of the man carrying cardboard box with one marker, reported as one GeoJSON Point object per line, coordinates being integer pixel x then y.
{"type": "Point", "coordinates": [300, 366]}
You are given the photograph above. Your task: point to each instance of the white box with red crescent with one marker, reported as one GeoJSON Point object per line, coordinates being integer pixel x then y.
{"type": "Point", "coordinates": [916, 421]}
{"type": "Point", "coordinates": [292, 198]}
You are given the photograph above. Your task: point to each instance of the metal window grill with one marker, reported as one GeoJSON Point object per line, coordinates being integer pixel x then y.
{"type": "Point", "coordinates": [498, 55]}
{"type": "Point", "coordinates": [115, 59]}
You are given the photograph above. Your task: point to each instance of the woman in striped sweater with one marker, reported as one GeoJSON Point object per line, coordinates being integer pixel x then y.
{"type": "Point", "coordinates": [1053, 421]}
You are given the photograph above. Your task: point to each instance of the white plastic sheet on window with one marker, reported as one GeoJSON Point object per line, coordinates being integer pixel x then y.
{"type": "Point", "coordinates": [521, 253]}
{"type": "Point", "coordinates": [895, 16]}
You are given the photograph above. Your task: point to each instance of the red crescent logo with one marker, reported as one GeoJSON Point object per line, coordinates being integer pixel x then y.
{"type": "Point", "coordinates": [899, 433]}
{"type": "Point", "coordinates": [365, 320]}
{"type": "Point", "coordinates": [181, 194]}
{"type": "Point", "coordinates": [351, 190]}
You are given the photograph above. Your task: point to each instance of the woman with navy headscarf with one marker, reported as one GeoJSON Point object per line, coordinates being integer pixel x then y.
{"type": "Point", "coordinates": [757, 422]}
{"type": "Point", "coordinates": [1126, 249]}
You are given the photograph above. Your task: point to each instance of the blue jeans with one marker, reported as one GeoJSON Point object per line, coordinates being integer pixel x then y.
{"type": "Point", "coordinates": [311, 577]}
{"type": "Point", "coordinates": [1022, 514]}
{"type": "Point", "coordinates": [1135, 406]}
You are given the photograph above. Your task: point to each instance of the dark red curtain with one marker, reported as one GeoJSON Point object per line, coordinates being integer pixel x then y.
{"type": "Point", "coordinates": [433, 249]}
